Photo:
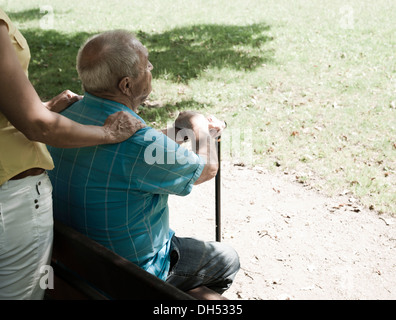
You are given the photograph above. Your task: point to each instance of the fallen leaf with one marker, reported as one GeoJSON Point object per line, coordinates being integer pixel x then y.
{"type": "Point", "coordinates": [263, 233]}
{"type": "Point", "coordinates": [388, 222]}
{"type": "Point", "coordinates": [308, 288]}
{"type": "Point", "coordinates": [311, 268]}
{"type": "Point", "coordinates": [248, 275]}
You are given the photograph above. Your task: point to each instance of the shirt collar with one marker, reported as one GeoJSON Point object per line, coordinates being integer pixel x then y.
{"type": "Point", "coordinates": [116, 106]}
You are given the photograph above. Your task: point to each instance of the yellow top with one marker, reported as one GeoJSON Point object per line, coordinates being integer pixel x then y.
{"type": "Point", "coordinates": [17, 153]}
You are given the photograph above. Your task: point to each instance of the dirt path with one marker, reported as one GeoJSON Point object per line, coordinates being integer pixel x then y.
{"type": "Point", "coordinates": [293, 242]}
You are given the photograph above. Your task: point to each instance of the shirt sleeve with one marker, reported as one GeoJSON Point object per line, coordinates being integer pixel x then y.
{"type": "Point", "coordinates": [18, 41]}
{"type": "Point", "coordinates": [163, 166]}
{"type": "Point", "coordinates": [4, 17]}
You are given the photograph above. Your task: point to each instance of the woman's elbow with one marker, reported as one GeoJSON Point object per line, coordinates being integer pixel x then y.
{"type": "Point", "coordinates": [38, 130]}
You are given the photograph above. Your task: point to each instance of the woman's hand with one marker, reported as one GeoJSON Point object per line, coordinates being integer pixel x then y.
{"type": "Point", "coordinates": [120, 126]}
{"type": "Point", "coordinates": [62, 101]}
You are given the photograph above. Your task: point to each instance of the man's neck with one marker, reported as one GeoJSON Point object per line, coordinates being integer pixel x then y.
{"type": "Point", "coordinates": [115, 97]}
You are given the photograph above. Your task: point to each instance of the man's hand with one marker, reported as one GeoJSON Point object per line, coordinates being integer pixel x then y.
{"type": "Point", "coordinates": [120, 126]}
{"type": "Point", "coordinates": [216, 126]}
{"type": "Point", "coordinates": [204, 131]}
{"type": "Point", "coordinates": [196, 122]}
{"type": "Point", "coordinates": [62, 101]}
{"type": "Point", "coordinates": [191, 120]}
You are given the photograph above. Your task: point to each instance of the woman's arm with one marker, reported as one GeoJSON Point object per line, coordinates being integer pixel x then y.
{"type": "Point", "coordinates": [22, 106]}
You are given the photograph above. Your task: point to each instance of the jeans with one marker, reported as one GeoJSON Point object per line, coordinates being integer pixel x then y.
{"type": "Point", "coordinates": [26, 232]}
{"type": "Point", "coordinates": [197, 263]}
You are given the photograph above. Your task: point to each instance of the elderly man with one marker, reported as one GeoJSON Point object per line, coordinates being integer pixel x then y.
{"type": "Point", "coordinates": [118, 194]}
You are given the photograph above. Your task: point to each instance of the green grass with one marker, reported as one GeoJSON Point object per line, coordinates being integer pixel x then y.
{"type": "Point", "coordinates": [307, 87]}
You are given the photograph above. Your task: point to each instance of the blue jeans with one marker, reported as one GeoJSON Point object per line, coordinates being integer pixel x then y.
{"type": "Point", "coordinates": [197, 263]}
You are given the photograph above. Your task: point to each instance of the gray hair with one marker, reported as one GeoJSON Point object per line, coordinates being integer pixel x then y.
{"type": "Point", "coordinates": [106, 58]}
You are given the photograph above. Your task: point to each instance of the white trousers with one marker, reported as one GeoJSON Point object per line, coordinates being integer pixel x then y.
{"type": "Point", "coordinates": [26, 233]}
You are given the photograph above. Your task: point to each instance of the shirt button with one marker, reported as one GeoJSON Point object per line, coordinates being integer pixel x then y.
{"type": "Point", "coordinates": [37, 206]}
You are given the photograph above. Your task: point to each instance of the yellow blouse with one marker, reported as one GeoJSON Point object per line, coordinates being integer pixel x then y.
{"type": "Point", "coordinates": [17, 153]}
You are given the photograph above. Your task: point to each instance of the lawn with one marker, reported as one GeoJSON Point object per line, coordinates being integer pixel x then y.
{"type": "Point", "coordinates": [308, 88]}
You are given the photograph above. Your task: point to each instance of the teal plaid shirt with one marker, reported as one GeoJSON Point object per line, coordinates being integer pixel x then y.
{"type": "Point", "coordinates": [118, 194]}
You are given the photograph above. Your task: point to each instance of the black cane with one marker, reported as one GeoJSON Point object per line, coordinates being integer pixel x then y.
{"type": "Point", "coordinates": [218, 194]}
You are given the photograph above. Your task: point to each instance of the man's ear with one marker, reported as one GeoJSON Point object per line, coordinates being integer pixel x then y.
{"type": "Point", "coordinates": [125, 85]}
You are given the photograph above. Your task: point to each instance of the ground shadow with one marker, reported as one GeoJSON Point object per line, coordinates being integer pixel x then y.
{"type": "Point", "coordinates": [179, 55]}
{"type": "Point", "coordinates": [25, 15]}
{"type": "Point", "coordinates": [52, 67]}
{"type": "Point", "coordinates": [184, 53]}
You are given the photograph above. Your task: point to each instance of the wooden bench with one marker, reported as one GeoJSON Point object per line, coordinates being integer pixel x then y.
{"type": "Point", "coordinates": [84, 269]}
